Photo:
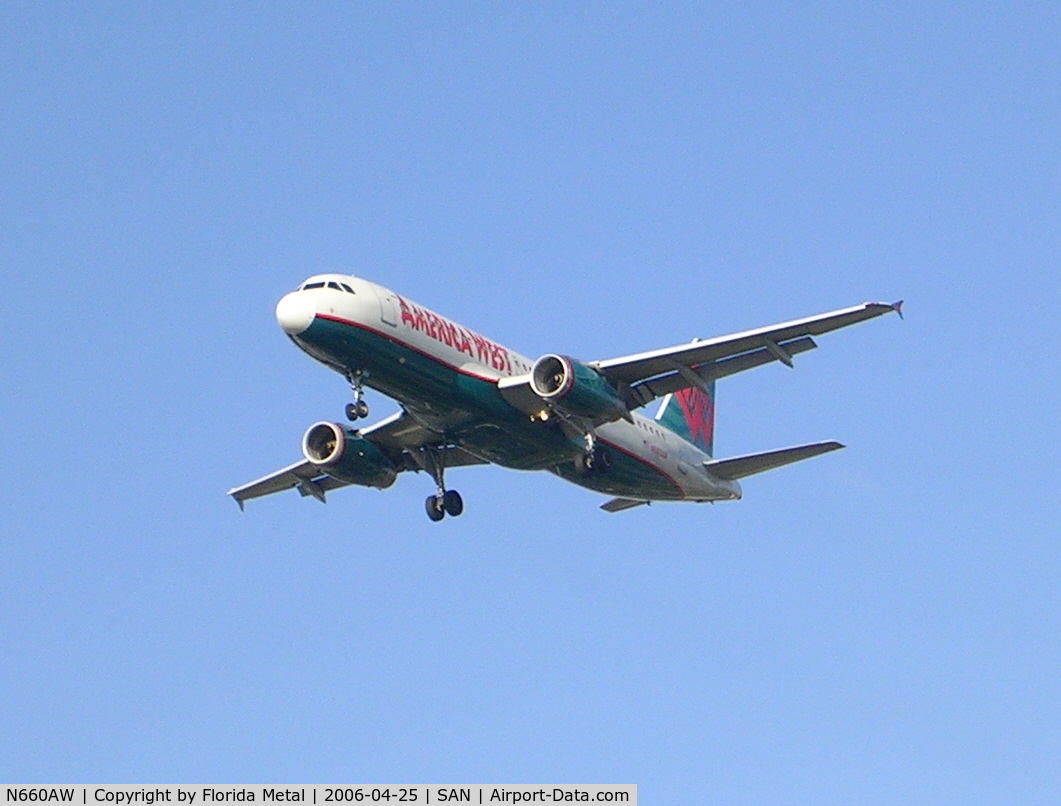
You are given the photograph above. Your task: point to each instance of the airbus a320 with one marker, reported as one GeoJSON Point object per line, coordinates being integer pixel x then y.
{"type": "Point", "coordinates": [467, 400]}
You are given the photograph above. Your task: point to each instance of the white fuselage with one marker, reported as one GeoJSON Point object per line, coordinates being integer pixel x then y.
{"type": "Point", "coordinates": [378, 310]}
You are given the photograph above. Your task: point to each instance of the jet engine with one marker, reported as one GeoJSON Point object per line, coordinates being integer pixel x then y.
{"type": "Point", "coordinates": [345, 455]}
{"type": "Point", "coordinates": [576, 388]}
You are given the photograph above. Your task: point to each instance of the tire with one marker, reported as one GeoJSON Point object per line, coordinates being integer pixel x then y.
{"type": "Point", "coordinates": [361, 408]}
{"type": "Point", "coordinates": [604, 461]}
{"type": "Point", "coordinates": [583, 466]}
{"type": "Point", "coordinates": [434, 509]}
{"type": "Point", "coordinates": [453, 503]}
{"type": "Point", "coordinates": [351, 412]}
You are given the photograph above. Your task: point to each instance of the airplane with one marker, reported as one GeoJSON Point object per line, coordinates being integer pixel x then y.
{"type": "Point", "coordinates": [468, 400]}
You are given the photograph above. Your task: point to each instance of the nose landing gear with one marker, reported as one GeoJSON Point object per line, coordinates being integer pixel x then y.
{"type": "Point", "coordinates": [359, 408]}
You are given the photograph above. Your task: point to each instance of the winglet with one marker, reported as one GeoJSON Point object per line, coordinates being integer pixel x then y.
{"type": "Point", "coordinates": [898, 308]}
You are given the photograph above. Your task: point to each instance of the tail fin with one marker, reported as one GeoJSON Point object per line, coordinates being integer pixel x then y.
{"type": "Point", "coordinates": [690, 414]}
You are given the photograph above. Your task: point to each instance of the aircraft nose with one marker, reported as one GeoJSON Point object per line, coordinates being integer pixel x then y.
{"type": "Point", "coordinates": [295, 312]}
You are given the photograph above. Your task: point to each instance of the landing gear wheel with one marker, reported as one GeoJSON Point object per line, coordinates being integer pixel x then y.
{"type": "Point", "coordinates": [443, 502]}
{"type": "Point", "coordinates": [594, 462]}
{"type": "Point", "coordinates": [604, 461]}
{"type": "Point", "coordinates": [359, 408]}
{"type": "Point", "coordinates": [434, 508]}
{"type": "Point", "coordinates": [452, 503]}
{"type": "Point", "coordinates": [584, 465]}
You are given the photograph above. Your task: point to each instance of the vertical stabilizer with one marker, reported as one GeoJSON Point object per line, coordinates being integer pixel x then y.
{"type": "Point", "coordinates": [690, 414]}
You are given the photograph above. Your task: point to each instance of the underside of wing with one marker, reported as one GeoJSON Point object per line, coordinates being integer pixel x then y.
{"type": "Point", "coordinates": [402, 438]}
{"type": "Point", "coordinates": [405, 443]}
{"type": "Point", "coordinates": [686, 376]}
{"type": "Point", "coordinates": [652, 374]}
{"type": "Point", "coordinates": [306, 477]}
{"type": "Point", "coordinates": [517, 391]}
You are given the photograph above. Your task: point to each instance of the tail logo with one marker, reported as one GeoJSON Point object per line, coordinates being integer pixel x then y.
{"type": "Point", "coordinates": [699, 412]}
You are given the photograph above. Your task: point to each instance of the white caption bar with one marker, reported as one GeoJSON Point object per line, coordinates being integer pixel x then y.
{"type": "Point", "coordinates": [136, 795]}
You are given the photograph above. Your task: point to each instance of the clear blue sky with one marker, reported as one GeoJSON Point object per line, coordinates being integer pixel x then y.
{"type": "Point", "coordinates": [875, 626]}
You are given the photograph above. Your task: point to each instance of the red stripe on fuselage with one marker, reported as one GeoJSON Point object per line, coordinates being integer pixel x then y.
{"type": "Point", "coordinates": [392, 338]}
{"type": "Point", "coordinates": [645, 462]}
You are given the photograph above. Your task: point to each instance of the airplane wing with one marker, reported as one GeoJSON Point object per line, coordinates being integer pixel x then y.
{"type": "Point", "coordinates": [398, 436]}
{"type": "Point", "coordinates": [646, 376]}
{"type": "Point", "coordinates": [303, 476]}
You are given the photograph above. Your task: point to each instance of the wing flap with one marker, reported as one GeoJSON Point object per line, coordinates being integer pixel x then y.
{"type": "Point", "coordinates": [741, 466]}
{"type": "Point", "coordinates": [646, 391]}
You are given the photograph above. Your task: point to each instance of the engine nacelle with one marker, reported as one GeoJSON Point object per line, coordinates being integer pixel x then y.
{"type": "Point", "coordinates": [342, 453]}
{"type": "Point", "coordinates": [576, 388]}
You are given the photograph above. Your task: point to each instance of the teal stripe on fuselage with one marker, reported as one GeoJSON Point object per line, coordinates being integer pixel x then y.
{"type": "Point", "coordinates": [629, 477]}
{"type": "Point", "coordinates": [473, 411]}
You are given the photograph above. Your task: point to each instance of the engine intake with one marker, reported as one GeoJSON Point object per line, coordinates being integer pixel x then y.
{"type": "Point", "coordinates": [342, 453]}
{"type": "Point", "coordinates": [576, 388]}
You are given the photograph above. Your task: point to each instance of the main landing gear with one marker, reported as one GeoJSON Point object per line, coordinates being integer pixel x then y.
{"type": "Point", "coordinates": [594, 461]}
{"type": "Point", "coordinates": [450, 503]}
{"type": "Point", "coordinates": [443, 502]}
{"type": "Point", "coordinates": [359, 408]}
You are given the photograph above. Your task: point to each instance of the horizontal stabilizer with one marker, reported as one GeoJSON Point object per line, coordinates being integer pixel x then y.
{"type": "Point", "coordinates": [619, 504]}
{"type": "Point", "coordinates": [740, 466]}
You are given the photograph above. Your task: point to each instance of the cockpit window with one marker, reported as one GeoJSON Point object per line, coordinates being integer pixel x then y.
{"type": "Point", "coordinates": [312, 285]}
{"type": "Point", "coordinates": [335, 286]}
{"type": "Point", "coordinates": [347, 288]}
